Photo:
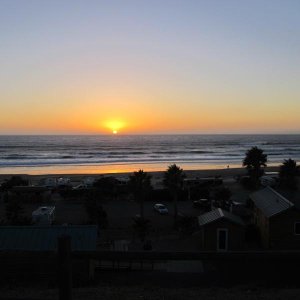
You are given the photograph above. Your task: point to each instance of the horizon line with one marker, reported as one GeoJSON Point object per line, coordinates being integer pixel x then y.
{"type": "Point", "coordinates": [143, 134]}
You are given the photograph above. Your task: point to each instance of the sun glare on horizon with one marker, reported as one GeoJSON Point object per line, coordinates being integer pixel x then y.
{"type": "Point", "coordinates": [114, 125]}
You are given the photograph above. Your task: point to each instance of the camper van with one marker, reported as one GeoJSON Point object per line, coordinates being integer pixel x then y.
{"type": "Point", "coordinates": [44, 215]}
{"type": "Point", "coordinates": [49, 182]}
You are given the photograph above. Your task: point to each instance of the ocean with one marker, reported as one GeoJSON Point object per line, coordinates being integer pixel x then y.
{"type": "Point", "coordinates": [121, 153]}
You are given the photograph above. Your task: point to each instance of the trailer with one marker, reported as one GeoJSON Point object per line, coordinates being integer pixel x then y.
{"type": "Point", "coordinates": [44, 215]}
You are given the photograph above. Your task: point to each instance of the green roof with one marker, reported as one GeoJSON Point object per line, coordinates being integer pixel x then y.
{"type": "Point", "coordinates": [44, 238]}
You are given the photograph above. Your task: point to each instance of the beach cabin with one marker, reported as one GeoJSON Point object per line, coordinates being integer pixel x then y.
{"type": "Point", "coordinates": [277, 219]}
{"type": "Point", "coordinates": [44, 215]}
{"type": "Point", "coordinates": [220, 230]}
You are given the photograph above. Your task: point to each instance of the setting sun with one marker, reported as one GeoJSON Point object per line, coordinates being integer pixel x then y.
{"type": "Point", "coordinates": [114, 125]}
{"type": "Point", "coordinates": [133, 83]}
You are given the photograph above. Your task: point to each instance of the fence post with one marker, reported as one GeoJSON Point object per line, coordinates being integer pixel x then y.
{"type": "Point", "coordinates": [64, 268]}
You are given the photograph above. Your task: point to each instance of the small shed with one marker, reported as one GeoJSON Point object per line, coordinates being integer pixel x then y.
{"type": "Point", "coordinates": [277, 219]}
{"type": "Point", "coordinates": [221, 230]}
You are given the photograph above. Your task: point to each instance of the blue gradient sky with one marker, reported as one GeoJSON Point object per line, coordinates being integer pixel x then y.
{"type": "Point", "coordinates": [154, 66]}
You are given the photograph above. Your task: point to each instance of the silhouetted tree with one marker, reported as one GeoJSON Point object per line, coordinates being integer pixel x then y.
{"type": "Point", "coordinates": [142, 227]}
{"type": "Point", "coordinates": [15, 213]}
{"type": "Point", "coordinates": [173, 180]}
{"type": "Point", "coordinates": [107, 185]}
{"type": "Point", "coordinates": [187, 224]}
{"type": "Point", "coordinates": [288, 172]}
{"type": "Point", "coordinates": [140, 185]}
{"type": "Point", "coordinates": [254, 161]}
{"type": "Point", "coordinates": [222, 196]}
{"type": "Point", "coordinates": [96, 213]}
{"type": "Point", "coordinates": [13, 181]}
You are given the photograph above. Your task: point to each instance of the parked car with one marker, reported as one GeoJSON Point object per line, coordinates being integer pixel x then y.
{"type": "Point", "coordinates": [239, 208]}
{"type": "Point", "coordinates": [202, 203]}
{"type": "Point", "coordinates": [79, 187]}
{"type": "Point", "coordinates": [268, 181]}
{"type": "Point", "coordinates": [136, 217]}
{"type": "Point", "coordinates": [63, 182]}
{"type": "Point", "coordinates": [161, 209]}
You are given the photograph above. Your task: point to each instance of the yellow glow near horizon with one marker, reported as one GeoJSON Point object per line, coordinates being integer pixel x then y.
{"type": "Point", "coordinates": [142, 114]}
{"type": "Point", "coordinates": [114, 125]}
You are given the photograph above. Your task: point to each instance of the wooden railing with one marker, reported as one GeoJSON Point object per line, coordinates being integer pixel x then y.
{"type": "Point", "coordinates": [64, 257]}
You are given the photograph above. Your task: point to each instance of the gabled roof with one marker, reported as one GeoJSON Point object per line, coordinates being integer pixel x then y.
{"type": "Point", "coordinates": [44, 238]}
{"type": "Point", "coordinates": [218, 214]}
{"type": "Point", "coordinates": [270, 202]}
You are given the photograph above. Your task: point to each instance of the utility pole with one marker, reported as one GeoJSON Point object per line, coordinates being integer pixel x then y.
{"type": "Point", "coordinates": [64, 268]}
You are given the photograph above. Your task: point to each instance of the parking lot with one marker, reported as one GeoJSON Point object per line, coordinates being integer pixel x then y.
{"type": "Point", "coordinates": [121, 211]}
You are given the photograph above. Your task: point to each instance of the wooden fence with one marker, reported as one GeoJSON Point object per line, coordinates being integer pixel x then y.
{"type": "Point", "coordinates": [254, 263]}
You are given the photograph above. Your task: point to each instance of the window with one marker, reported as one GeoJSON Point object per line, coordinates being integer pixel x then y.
{"type": "Point", "coordinates": [297, 228]}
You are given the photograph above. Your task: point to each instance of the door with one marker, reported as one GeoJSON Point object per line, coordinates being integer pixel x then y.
{"type": "Point", "coordinates": [222, 239]}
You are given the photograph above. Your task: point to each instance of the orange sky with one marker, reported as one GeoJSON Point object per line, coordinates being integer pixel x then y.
{"type": "Point", "coordinates": [132, 118]}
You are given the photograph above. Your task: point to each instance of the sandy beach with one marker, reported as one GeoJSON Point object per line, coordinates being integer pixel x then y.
{"type": "Point", "coordinates": [157, 175]}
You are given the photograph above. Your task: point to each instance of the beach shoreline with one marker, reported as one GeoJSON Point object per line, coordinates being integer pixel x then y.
{"type": "Point", "coordinates": [96, 155]}
{"type": "Point", "coordinates": [225, 172]}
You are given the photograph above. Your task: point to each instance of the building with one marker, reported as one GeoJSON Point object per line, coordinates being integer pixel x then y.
{"type": "Point", "coordinates": [31, 251]}
{"type": "Point", "coordinates": [277, 220]}
{"type": "Point", "coordinates": [44, 238]}
{"type": "Point", "coordinates": [221, 230]}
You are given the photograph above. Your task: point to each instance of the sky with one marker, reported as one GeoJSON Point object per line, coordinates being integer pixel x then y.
{"type": "Point", "coordinates": [149, 67]}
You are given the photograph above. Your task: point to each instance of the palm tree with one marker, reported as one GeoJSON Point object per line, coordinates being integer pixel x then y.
{"type": "Point", "coordinates": [14, 211]}
{"type": "Point", "coordinates": [173, 181]}
{"type": "Point", "coordinates": [288, 172]}
{"type": "Point", "coordinates": [142, 227]}
{"type": "Point", "coordinates": [140, 184]}
{"type": "Point", "coordinates": [254, 160]}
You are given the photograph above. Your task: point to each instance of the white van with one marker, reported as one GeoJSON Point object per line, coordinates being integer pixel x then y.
{"type": "Point", "coordinates": [267, 181]}
{"type": "Point", "coordinates": [44, 215]}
